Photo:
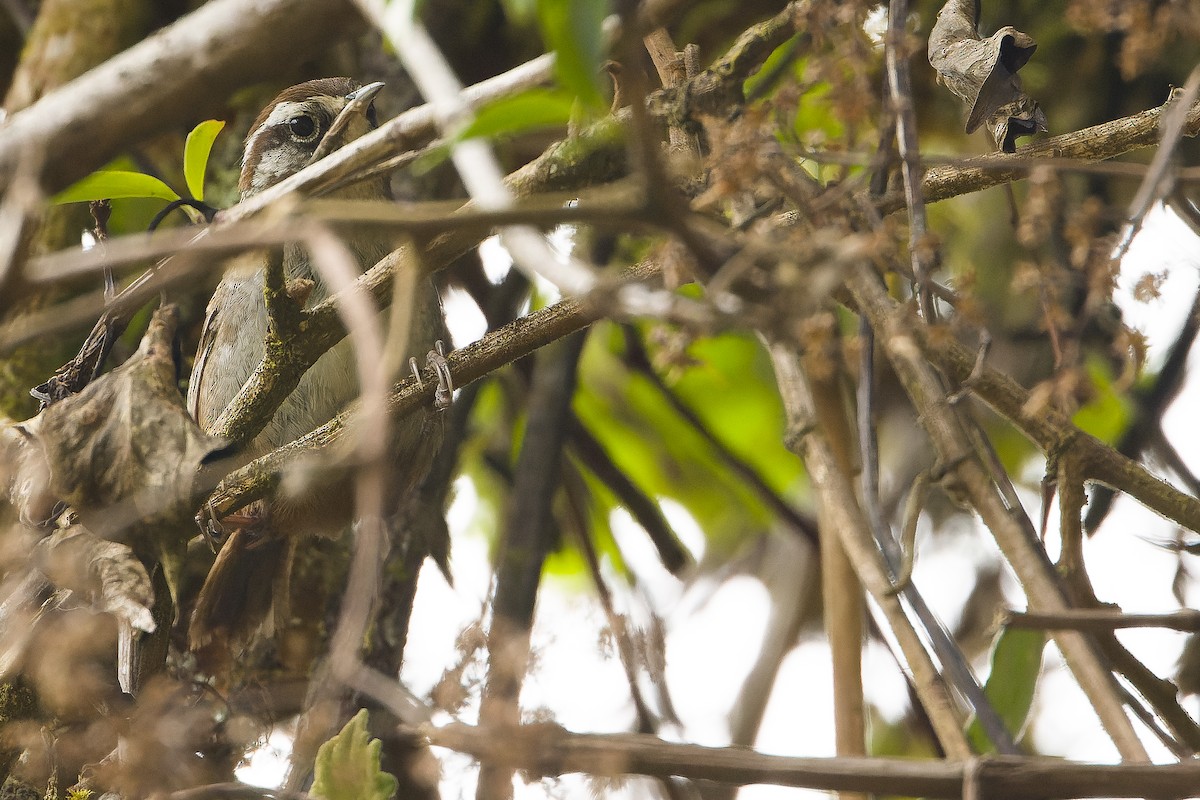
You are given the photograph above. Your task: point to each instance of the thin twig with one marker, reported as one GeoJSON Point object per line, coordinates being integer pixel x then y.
{"type": "Point", "coordinates": [639, 360]}
{"type": "Point", "coordinates": [1099, 142]}
{"type": "Point", "coordinates": [1156, 183]}
{"type": "Point", "coordinates": [674, 556]}
{"type": "Point", "coordinates": [551, 750]}
{"type": "Point", "coordinates": [474, 160]}
{"type": "Point", "coordinates": [528, 536]}
{"type": "Point", "coordinates": [1081, 619]}
{"type": "Point", "coordinates": [1011, 527]}
{"type": "Point", "coordinates": [906, 137]}
{"type": "Point", "coordinates": [1149, 405]}
{"type": "Point", "coordinates": [847, 520]}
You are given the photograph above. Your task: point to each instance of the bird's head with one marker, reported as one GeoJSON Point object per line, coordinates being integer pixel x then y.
{"type": "Point", "coordinates": [304, 123]}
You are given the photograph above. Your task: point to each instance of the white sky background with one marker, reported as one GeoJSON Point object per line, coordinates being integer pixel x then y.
{"type": "Point", "coordinates": [716, 629]}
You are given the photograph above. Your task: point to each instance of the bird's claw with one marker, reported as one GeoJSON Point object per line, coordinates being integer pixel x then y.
{"type": "Point", "coordinates": [436, 360]}
{"type": "Point", "coordinates": [210, 527]}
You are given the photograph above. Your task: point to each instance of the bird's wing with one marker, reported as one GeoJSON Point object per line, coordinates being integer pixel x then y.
{"type": "Point", "coordinates": [208, 335]}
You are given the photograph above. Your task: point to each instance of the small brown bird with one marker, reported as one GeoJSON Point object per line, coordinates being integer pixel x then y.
{"type": "Point", "coordinates": [252, 569]}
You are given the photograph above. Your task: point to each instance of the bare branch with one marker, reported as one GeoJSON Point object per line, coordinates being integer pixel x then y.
{"type": "Point", "coordinates": [1099, 142]}
{"type": "Point", "coordinates": [1013, 532]}
{"type": "Point", "coordinates": [550, 750]}
{"type": "Point", "coordinates": [1103, 620]}
{"type": "Point", "coordinates": [845, 516]}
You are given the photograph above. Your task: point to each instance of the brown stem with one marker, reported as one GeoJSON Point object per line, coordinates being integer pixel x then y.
{"type": "Point", "coordinates": [550, 750]}
{"type": "Point", "coordinates": [846, 517]}
{"type": "Point", "coordinates": [840, 588]}
{"type": "Point", "coordinates": [898, 333]}
{"type": "Point", "coordinates": [528, 538]}
{"type": "Point", "coordinates": [1089, 619]}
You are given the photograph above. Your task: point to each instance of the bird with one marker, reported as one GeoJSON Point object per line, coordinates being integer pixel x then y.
{"type": "Point", "coordinates": [251, 572]}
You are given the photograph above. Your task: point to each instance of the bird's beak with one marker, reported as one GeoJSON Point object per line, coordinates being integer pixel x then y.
{"type": "Point", "coordinates": [357, 103]}
{"type": "Point", "coordinates": [364, 94]}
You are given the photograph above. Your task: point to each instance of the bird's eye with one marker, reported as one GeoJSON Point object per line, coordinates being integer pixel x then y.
{"type": "Point", "coordinates": [302, 127]}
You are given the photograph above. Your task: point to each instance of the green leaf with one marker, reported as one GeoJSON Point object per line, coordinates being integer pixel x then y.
{"type": "Point", "coordinates": [114, 184]}
{"type": "Point", "coordinates": [573, 30]}
{"type": "Point", "coordinates": [520, 11]}
{"type": "Point", "coordinates": [1016, 664]}
{"type": "Point", "coordinates": [529, 110]}
{"type": "Point", "coordinates": [195, 154]}
{"type": "Point", "coordinates": [770, 67]}
{"type": "Point", "coordinates": [347, 766]}
{"type": "Point", "coordinates": [433, 156]}
{"type": "Point", "coordinates": [667, 457]}
{"type": "Point", "coordinates": [1108, 413]}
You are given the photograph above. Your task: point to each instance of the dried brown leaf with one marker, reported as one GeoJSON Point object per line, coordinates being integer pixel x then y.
{"type": "Point", "coordinates": [108, 574]}
{"type": "Point", "coordinates": [124, 453]}
{"type": "Point", "coordinates": [983, 73]}
{"type": "Point", "coordinates": [24, 473]}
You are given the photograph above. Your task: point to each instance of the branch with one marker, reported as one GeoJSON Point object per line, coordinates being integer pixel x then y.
{"type": "Point", "coordinates": [639, 360]}
{"type": "Point", "coordinates": [840, 507]}
{"type": "Point", "coordinates": [900, 89]}
{"type": "Point", "coordinates": [643, 508]}
{"type": "Point", "coordinates": [166, 81]}
{"type": "Point", "coordinates": [529, 533]}
{"type": "Point", "coordinates": [719, 87]}
{"type": "Point", "coordinates": [1187, 619]}
{"type": "Point", "coordinates": [1097, 143]}
{"type": "Point", "coordinates": [515, 340]}
{"type": "Point", "coordinates": [1051, 430]}
{"type": "Point", "coordinates": [550, 750]}
{"type": "Point", "coordinates": [843, 606]}
{"type": "Point", "coordinates": [901, 337]}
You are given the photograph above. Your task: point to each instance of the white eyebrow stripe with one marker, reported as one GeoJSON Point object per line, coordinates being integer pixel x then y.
{"type": "Point", "coordinates": [280, 113]}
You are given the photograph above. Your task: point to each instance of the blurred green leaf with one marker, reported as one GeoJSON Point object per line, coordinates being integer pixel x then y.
{"type": "Point", "coordinates": [520, 11]}
{"type": "Point", "coordinates": [771, 66]}
{"type": "Point", "coordinates": [817, 119]}
{"type": "Point", "coordinates": [433, 156]}
{"type": "Point", "coordinates": [573, 30]}
{"type": "Point", "coordinates": [1107, 414]}
{"type": "Point", "coordinates": [347, 766]}
{"type": "Point", "coordinates": [529, 110]}
{"type": "Point", "coordinates": [568, 560]}
{"type": "Point", "coordinates": [1016, 664]}
{"type": "Point", "coordinates": [195, 154]}
{"type": "Point", "coordinates": [114, 184]}
{"type": "Point", "coordinates": [730, 389]}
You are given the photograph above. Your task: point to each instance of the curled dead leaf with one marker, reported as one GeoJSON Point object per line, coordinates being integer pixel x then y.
{"type": "Point", "coordinates": [983, 73]}
{"type": "Point", "coordinates": [124, 453]}
{"type": "Point", "coordinates": [107, 574]}
{"type": "Point", "coordinates": [24, 472]}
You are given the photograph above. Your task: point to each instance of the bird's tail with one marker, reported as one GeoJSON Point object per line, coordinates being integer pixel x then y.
{"type": "Point", "coordinates": [249, 577]}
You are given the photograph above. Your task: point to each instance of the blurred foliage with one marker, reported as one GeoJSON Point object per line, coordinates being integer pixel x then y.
{"type": "Point", "coordinates": [728, 383]}
{"type": "Point", "coordinates": [573, 31]}
{"type": "Point", "coordinates": [527, 111]}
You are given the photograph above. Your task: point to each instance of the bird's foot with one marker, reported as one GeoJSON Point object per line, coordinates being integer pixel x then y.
{"type": "Point", "coordinates": [435, 359]}
{"type": "Point", "coordinates": [215, 529]}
